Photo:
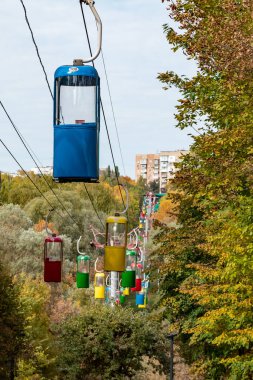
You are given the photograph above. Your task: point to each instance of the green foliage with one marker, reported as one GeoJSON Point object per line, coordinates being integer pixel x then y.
{"type": "Point", "coordinates": [153, 186]}
{"type": "Point", "coordinates": [80, 209]}
{"type": "Point", "coordinates": [109, 343]}
{"type": "Point", "coordinates": [205, 261]}
{"type": "Point", "coordinates": [52, 331]}
{"type": "Point", "coordinates": [136, 191]}
{"type": "Point", "coordinates": [11, 324]}
{"type": "Point", "coordinates": [12, 216]}
{"type": "Point", "coordinates": [13, 222]}
{"type": "Point", "coordinates": [36, 361]}
{"type": "Point", "coordinates": [20, 189]}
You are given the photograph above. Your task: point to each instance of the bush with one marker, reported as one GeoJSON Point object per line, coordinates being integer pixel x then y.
{"type": "Point", "coordinates": [109, 343]}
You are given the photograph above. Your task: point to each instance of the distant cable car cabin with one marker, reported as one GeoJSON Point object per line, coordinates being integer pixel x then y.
{"type": "Point", "coordinates": [140, 299]}
{"type": "Point", "coordinates": [138, 278]}
{"type": "Point", "coordinates": [83, 271]}
{"type": "Point", "coordinates": [129, 275]}
{"type": "Point", "coordinates": [99, 285]}
{"type": "Point", "coordinates": [53, 258]}
{"type": "Point", "coordinates": [76, 123]}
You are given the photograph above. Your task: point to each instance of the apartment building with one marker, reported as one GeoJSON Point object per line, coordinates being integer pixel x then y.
{"type": "Point", "coordinates": [158, 167]}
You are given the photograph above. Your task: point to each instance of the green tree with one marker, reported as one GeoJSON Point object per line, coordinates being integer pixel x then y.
{"type": "Point", "coordinates": [80, 209]}
{"type": "Point", "coordinates": [154, 186]}
{"type": "Point", "coordinates": [109, 343]}
{"type": "Point", "coordinates": [11, 325]}
{"type": "Point", "coordinates": [13, 221]}
{"type": "Point", "coordinates": [36, 361]}
{"type": "Point", "coordinates": [19, 189]}
{"type": "Point", "coordinates": [202, 259]}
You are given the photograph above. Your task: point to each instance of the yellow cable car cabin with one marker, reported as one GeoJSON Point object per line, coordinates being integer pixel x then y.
{"type": "Point", "coordinates": [99, 285]}
{"type": "Point", "coordinates": [116, 242]}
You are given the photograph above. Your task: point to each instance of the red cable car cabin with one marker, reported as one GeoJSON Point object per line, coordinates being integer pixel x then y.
{"type": "Point", "coordinates": [53, 257]}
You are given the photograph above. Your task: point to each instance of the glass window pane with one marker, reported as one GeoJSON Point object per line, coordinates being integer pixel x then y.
{"type": "Point", "coordinates": [83, 266]}
{"type": "Point", "coordinates": [54, 251]}
{"type": "Point", "coordinates": [99, 281]}
{"type": "Point", "coordinates": [76, 100]}
{"type": "Point", "coordinates": [116, 234]}
{"type": "Point", "coordinates": [78, 104]}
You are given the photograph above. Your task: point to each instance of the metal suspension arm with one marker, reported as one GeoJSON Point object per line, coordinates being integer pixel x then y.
{"type": "Point", "coordinates": [77, 246]}
{"type": "Point", "coordinates": [96, 270]}
{"type": "Point", "coordinates": [91, 3]}
{"type": "Point", "coordinates": [127, 199]}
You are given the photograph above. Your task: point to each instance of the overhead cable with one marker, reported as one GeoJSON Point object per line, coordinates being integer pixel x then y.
{"type": "Point", "coordinates": [37, 49]}
{"type": "Point", "coordinates": [12, 155]}
{"type": "Point", "coordinates": [43, 68]}
{"type": "Point", "coordinates": [113, 113]}
{"type": "Point", "coordinates": [43, 176]}
{"type": "Point", "coordinates": [107, 131]}
{"type": "Point", "coordinates": [93, 206]}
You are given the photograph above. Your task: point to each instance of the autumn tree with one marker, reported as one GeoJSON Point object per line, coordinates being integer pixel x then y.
{"type": "Point", "coordinates": [11, 325]}
{"type": "Point", "coordinates": [109, 343]}
{"type": "Point", "coordinates": [205, 261]}
{"type": "Point", "coordinates": [73, 223]}
{"type": "Point", "coordinates": [19, 189]}
{"type": "Point", "coordinates": [37, 357]}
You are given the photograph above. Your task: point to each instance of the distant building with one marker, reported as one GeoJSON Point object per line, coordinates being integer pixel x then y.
{"type": "Point", "coordinates": [158, 167]}
{"type": "Point", "coordinates": [45, 170]}
{"type": "Point", "coordinates": [9, 174]}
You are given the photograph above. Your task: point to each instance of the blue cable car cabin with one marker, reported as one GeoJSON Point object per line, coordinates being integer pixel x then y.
{"type": "Point", "coordinates": [76, 124]}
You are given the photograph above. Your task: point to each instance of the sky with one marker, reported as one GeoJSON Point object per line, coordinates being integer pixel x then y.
{"type": "Point", "coordinates": [135, 51]}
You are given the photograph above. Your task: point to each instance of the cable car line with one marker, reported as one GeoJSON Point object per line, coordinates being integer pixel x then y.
{"type": "Point", "coordinates": [41, 63]}
{"type": "Point", "coordinates": [114, 164]}
{"type": "Point", "coordinates": [43, 176]}
{"type": "Point", "coordinates": [91, 201]}
{"type": "Point", "coordinates": [12, 155]}
{"type": "Point", "coordinates": [21, 135]}
{"type": "Point", "coordinates": [37, 49]}
{"type": "Point", "coordinates": [113, 113]}
{"type": "Point", "coordinates": [103, 112]}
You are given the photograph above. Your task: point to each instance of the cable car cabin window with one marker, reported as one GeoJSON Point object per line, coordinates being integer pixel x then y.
{"type": "Point", "coordinates": [83, 266]}
{"type": "Point", "coordinates": [54, 250]}
{"type": "Point", "coordinates": [99, 281]}
{"type": "Point", "coordinates": [76, 100]}
{"type": "Point", "coordinates": [116, 234]}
